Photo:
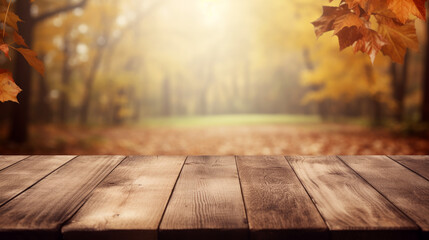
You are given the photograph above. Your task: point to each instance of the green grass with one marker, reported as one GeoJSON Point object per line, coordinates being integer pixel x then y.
{"type": "Point", "coordinates": [225, 120]}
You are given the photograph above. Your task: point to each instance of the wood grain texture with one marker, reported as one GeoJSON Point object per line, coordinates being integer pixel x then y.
{"type": "Point", "coordinates": [129, 203]}
{"type": "Point", "coordinates": [206, 202]}
{"type": "Point", "coordinates": [405, 189]}
{"type": "Point", "coordinates": [419, 164]}
{"type": "Point", "coordinates": [277, 205]}
{"type": "Point", "coordinates": [7, 160]}
{"type": "Point", "coordinates": [351, 208]}
{"type": "Point", "coordinates": [39, 212]}
{"type": "Point", "coordinates": [18, 177]}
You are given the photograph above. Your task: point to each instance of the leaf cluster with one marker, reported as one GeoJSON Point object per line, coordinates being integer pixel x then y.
{"type": "Point", "coordinates": [11, 39]}
{"type": "Point", "coordinates": [371, 26]}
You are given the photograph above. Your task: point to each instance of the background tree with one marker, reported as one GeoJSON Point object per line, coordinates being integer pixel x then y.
{"type": "Point", "coordinates": [118, 62]}
{"type": "Point", "coordinates": [425, 102]}
{"type": "Point", "coordinates": [22, 75]}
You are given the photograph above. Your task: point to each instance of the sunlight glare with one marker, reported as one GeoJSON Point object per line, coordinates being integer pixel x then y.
{"type": "Point", "coordinates": [212, 11]}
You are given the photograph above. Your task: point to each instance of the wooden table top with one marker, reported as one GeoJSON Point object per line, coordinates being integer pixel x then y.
{"type": "Point", "coordinates": [214, 197]}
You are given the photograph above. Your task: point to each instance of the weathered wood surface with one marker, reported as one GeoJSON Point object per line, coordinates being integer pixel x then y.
{"type": "Point", "coordinates": [277, 205]}
{"type": "Point", "coordinates": [408, 191]}
{"type": "Point", "coordinates": [348, 203]}
{"type": "Point", "coordinates": [206, 203]}
{"type": "Point", "coordinates": [39, 212]}
{"type": "Point", "coordinates": [129, 203]}
{"type": "Point", "coordinates": [113, 197]}
{"type": "Point", "coordinates": [418, 164]}
{"type": "Point", "coordinates": [6, 161]}
{"type": "Point", "coordinates": [18, 177]}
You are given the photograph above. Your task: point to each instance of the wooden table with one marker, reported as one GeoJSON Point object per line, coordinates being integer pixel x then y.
{"type": "Point", "coordinates": [212, 197]}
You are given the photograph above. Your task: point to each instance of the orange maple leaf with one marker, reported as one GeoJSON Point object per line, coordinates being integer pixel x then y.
{"type": "Point", "coordinates": [5, 49]}
{"type": "Point", "coordinates": [352, 20]}
{"type": "Point", "coordinates": [18, 39]}
{"type": "Point", "coordinates": [326, 22]}
{"type": "Point", "coordinates": [11, 19]}
{"type": "Point", "coordinates": [371, 44]}
{"type": "Point", "coordinates": [398, 37]}
{"type": "Point", "coordinates": [32, 59]}
{"type": "Point", "coordinates": [404, 8]}
{"type": "Point", "coordinates": [347, 20]}
{"type": "Point", "coordinates": [8, 89]}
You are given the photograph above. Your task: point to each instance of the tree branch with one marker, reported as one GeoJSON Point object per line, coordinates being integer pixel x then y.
{"type": "Point", "coordinates": [67, 8]}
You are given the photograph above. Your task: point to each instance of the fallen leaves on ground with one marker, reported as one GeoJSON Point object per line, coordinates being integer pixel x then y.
{"type": "Point", "coordinates": [321, 139]}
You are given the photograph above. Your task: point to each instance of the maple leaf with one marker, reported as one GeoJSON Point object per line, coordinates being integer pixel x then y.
{"type": "Point", "coordinates": [18, 39]}
{"type": "Point", "coordinates": [420, 4]}
{"type": "Point", "coordinates": [347, 20]}
{"type": "Point", "coordinates": [8, 89]}
{"type": "Point", "coordinates": [326, 22]}
{"type": "Point", "coordinates": [404, 8]}
{"type": "Point", "coordinates": [12, 19]}
{"type": "Point", "coordinates": [345, 23]}
{"type": "Point", "coordinates": [398, 37]}
{"type": "Point", "coordinates": [371, 44]}
{"type": "Point", "coordinates": [5, 49]}
{"type": "Point", "coordinates": [354, 3]}
{"type": "Point", "coordinates": [32, 59]}
{"type": "Point", "coordinates": [351, 22]}
{"type": "Point", "coordinates": [348, 29]}
{"type": "Point", "coordinates": [347, 36]}
{"type": "Point", "coordinates": [369, 6]}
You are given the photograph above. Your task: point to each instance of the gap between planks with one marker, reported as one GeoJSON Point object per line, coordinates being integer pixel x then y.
{"type": "Point", "coordinates": [129, 203]}
{"type": "Point", "coordinates": [348, 204]}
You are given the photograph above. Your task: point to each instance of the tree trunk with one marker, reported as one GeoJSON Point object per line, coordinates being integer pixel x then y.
{"type": "Point", "coordinates": [425, 100]}
{"type": "Point", "coordinates": [399, 84]}
{"type": "Point", "coordinates": [377, 119]}
{"type": "Point", "coordinates": [247, 86]}
{"type": "Point", "coordinates": [375, 103]}
{"type": "Point", "coordinates": [65, 80]}
{"type": "Point", "coordinates": [166, 92]}
{"type": "Point", "coordinates": [117, 107]}
{"type": "Point", "coordinates": [22, 71]}
{"type": "Point", "coordinates": [44, 113]}
{"type": "Point", "coordinates": [323, 106]}
{"type": "Point", "coordinates": [89, 84]}
{"type": "Point", "coordinates": [22, 75]}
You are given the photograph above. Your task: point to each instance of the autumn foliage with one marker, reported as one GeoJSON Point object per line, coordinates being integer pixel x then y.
{"type": "Point", "coordinates": [371, 26]}
{"type": "Point", "coordinates": [11, 39]}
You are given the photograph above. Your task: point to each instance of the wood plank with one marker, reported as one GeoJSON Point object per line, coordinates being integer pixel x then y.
{"type": "Point", "coordinates": [419, 164]}
{"type": "Point", "coordinates": [20, 176]}
{"type": "Point", "coordinates": [129, 203]}
{"type": "Point", "coordinates": [206, 203]}
{"type": "Point", "coordinates": [39, 212]}
{"type": "Point", "coordinates": [277, 205]}
{"type": "Point", "coordinates": [7, 160]}
{"type": "Point", "coordinates": [351, 207]}
{"type": "Point", "coordinates": [405, 189]}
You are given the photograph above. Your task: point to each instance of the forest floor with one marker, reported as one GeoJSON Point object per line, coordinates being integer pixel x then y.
{"type": "Point", "coordinates": [256, 135]}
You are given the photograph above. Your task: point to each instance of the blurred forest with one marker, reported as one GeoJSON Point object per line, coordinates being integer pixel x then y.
{"type": "Point", "coordinates": [114, 66]}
